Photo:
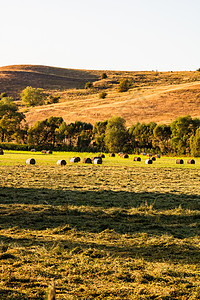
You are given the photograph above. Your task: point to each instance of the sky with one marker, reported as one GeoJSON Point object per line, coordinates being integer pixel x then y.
{"type": "Point", "coordinates": [126, 35]}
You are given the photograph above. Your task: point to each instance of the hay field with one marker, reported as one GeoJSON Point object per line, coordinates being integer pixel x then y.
{"type": "Point", "coordinates": [121, 230]}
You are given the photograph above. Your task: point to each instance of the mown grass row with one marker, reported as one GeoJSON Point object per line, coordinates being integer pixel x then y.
{"type": "Point", "coordinates": [102, 232]}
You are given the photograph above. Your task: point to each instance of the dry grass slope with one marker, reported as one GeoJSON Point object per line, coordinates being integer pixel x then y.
{"type": "Point", "coordinates": [155, 96]}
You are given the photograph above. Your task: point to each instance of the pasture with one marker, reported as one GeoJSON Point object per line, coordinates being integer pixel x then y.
{"type": "Point", "coordinates": [120, 230]}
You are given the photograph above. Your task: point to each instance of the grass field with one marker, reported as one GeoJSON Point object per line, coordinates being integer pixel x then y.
{"type": "Point", "coordinates": [120, 230]}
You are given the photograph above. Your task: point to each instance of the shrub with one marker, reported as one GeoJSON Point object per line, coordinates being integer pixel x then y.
{"type": "Point", "coordinates": [124, 85]}
{"type": "Point", "coordinates": [88, 85]}
{"type": "Point", "coordinates": [104, 76]}
{"type": "Point", "coordinates": [102, 95]}
{"type": "Point", "coordinates": [52, 99]}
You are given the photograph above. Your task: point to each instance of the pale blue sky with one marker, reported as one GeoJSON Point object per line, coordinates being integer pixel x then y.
{"type": "Point", "coordinates": [130, 35]}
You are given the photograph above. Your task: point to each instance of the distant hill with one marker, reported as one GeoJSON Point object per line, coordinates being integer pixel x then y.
{"type": "Point", "coordinates": [155, 96]}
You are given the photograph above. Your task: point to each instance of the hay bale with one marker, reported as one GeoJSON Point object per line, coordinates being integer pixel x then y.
{"type": "Point", "coordinates": [125, 156]}
{"type": "Point", "coordinates": [33, 150]}
{"type": "Point", "coordinates": [180, 161]}
{"type": "Point", "coordinates": [191, 161]}
{"type": "Point", "coordinates": [101, 155]}
{"type": "Point", "coordinates": [43, 151]}
{"type": "Point", "coordinates": [61, 162]}
{"type": "Point", "coordinates": [153, 158]}
{"type": "Point", "coordinates": [149, 154]}
{"type": "Point", "coordinates": [148, 161]}
{"type": "Point", "coordinates": [49, 152]}
{"type": "Point", "coordinates": [158, 155]}
{"type": "Point", "coordinates": [75, 159]}
{"type": "Point", "coordinates": [111, 154]}
{"type": "Point", "coordinates": [30, 161]}
{"type": "Point", "coordinates": [97, 161]}
{"type": "Point", "coordinates": [87, 160]}
{"type": "Point", "coordinates": [1, 151]}
{"type": "Point", "coordinates": [137, 159]}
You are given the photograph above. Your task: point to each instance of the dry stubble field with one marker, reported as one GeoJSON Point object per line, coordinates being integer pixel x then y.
{"type": "Point", "coordinates": [120, 230]}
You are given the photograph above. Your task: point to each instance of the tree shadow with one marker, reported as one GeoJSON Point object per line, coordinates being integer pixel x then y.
{"type": "Point", "coordinates": [96, 211]}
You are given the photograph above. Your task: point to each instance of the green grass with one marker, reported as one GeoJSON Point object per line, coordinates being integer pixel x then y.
{"type": "Point", "coordinates": [121, 230]}
{"type": "Point", "coordinates": [19, 158]}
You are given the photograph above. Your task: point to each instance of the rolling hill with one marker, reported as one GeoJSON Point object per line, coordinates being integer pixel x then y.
{"type": "Point", "coordinates": [155, 96]}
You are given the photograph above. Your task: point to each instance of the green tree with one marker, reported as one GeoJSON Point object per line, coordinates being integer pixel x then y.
{"type": "Point", "coordinates": [31, 96]}
{"type": "Point", "coordinates": [162, 134]}
{"type": "Point", "coordinates": [115, 135]}
{"type": "Point", "coordinates": [10, 119]}
{"type": "Point", "coordinates": [44, 133]}
{"type": "Point", "coordinates": [195, 143]}
{"type": "Point", "coordinates": [182, 130]}
{"type": "Point", "coordinates": [99, 130]}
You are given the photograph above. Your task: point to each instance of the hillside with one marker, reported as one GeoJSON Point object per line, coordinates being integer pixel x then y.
{"type": "Point", "coordinates": [155, 96]}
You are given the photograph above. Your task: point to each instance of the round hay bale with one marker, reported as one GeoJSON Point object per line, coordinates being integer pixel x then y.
{"type": "Point", "coordinates": [75, 159]}
{"type": "Point", "coordinates": [148, 161]}
{"type": "Point", "coordinates": [158, 155]}
{"type": "Point", "coordinates": [97, 161]}
{"type": "Point", "coordinates": [153, 158]}
{"type": "Point", "coordinates": [137, 159]}
{"type": "Point", "coordinates": [111, 154]}
{"type": "Point", "coordinates": [125, 156]}
{"type": "Point", "coordinates": [1, 151]}
{"type": "Point", "coordinates": [43, 151]}
{"type": "Point", "coordinates": [87, 160]}
{"type": "Point", "coordinates": [30, 161]}
{"type": "Point", "coordinates": [180, 161]}
{"type": "Point", "coordinates": [191, 161]}
{"type": "Point", "coordinates": [102, 155]}
{"type": "Point", "coordinates": [61, 162]}
{"type": "Point", "coordinates": [49, 152]}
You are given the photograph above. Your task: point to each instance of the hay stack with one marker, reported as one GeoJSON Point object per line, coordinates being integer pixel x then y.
{"type": "Point", "coordinates": [148, 161]}
{"type": "Point", "coordinates": [180, 161]}
{"type": "Point", "coordinates": [75, 159]}
{"type": "Point", "coordinates": [30, 161]}
{"type": "Point", "coordinates": [1, 151]}
{"type": "Point", "coordinates": [111, 154]}
{"type": "Point", "coordinates": [137, 159]}
{"type": "Point", "coordinates": [120, 153]}
{"type": "Point", "coordinates": [191, 161]}
{"type": "Point", "coordinates": [87, 160]}
{"type": "Point", "coordinates": [49, 152]}
{"type": "Point", "coordinates": [125, 156]}
{"type": "Point", "coordinates": [97, 161]}
{"type": "Point", "coordinates": [43, 151]}
{"type": "Point", "coordinates": [102, 155]}
{"type": "Point", "coordinates": [149, 154]}
{"type": "Point", "coordinates": [61, 162]}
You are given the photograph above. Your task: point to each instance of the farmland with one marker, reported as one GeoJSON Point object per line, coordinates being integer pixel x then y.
{"type": "Point", "coordinates": [120, 230]}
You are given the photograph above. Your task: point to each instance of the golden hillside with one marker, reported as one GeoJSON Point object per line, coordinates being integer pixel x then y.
{"type": "Point", "coordinates": [155, 96]}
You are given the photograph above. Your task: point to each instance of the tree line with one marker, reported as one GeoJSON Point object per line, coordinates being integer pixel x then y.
{"type": "Point", "coordinates": [181, 137]}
